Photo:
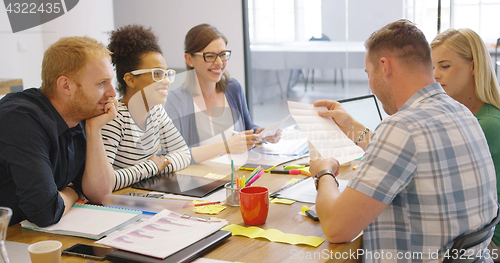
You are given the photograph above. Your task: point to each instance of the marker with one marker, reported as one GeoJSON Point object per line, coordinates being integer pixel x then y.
{"type": "Point", "coordinates": [311, 214]}
{"type": "Point", "coordinates": [291, 171]}
{"type": "Point", "coordinates": [257, 176]}
{"type": "Point", "coordinates": [254, 173]}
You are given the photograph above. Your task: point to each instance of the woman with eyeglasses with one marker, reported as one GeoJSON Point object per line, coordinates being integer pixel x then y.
{"type": "Point", "coordinates": [463, 66]}
{"type": "Point", "coordinates": [142, 126]}
{"type": "Point", "coordinates": [210, 108]}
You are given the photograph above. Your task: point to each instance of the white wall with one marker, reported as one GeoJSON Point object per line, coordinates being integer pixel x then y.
{"type": "Point", "coordinates": [364, 16]}
{"type": "Point", "coordinates": [172, 19]}
{"type": "Point", "coordinates": [21, 53]}
{"type": "Point", "coordinates": [23, 62]}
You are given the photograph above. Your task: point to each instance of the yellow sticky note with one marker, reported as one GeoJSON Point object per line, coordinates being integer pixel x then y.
{"type": "Point", "coordinates": [282, 201]}
{"type": "Point", "coordinates": [291, 181]}
{"type": "Point", "coordinates": [215, 176]}
{"type": "Point", "coordinates": [274, 235]}
{"type": "Point", "coordinates": [209, 209]}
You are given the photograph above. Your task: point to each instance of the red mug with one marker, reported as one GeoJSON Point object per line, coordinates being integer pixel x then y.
{"type": "Point", "coordinates": [254, 204]}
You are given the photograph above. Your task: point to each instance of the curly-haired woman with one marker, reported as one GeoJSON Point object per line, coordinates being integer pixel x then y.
{"type": "Point", "coordinates": [133, 138]}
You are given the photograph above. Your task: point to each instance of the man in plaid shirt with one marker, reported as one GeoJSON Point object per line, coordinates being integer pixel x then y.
{"type": "Point", "coordinates": [427, 176]}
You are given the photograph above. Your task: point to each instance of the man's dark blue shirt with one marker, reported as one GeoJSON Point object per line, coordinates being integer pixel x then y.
{"type": "Point", "coordinates": [39, 155]}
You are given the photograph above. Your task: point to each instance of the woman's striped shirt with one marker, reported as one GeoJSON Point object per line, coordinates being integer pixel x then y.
{"type": "Point", "coordinates": [128, 147]}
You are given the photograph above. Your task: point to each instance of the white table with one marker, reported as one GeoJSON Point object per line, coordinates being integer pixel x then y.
{"type": "Point", "coordinates": [310, 54]}
{"type": "Point", "coordinates": [307, 55]}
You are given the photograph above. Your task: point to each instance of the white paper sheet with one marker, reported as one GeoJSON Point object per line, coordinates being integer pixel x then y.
{"type": "Point", "coordinates": [273, 128]}
{"type": "Point", "coordinates": [304, 190]}
{"type": "Point", "coordinates": [161, 235]}
{"type": "Point", "coordinates": [323, 133]}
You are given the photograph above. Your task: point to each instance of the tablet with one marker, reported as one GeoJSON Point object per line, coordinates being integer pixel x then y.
{"type": "Point", "coordinates": [364, 109]}
{"type": "Point", "coordinates": [181, 184]}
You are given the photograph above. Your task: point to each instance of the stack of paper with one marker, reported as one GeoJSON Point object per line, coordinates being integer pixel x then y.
{"type": "Point", "coordinates": [284, 147]}
{"type": "Point", "coordinates": [323, 133]}
{"type": "Point", "coordinates": [162, 235]}
{"type": "Point", "coordinates": [89, 221]}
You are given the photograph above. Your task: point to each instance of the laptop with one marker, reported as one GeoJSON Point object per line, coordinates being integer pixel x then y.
{"type": "Point", "coordinates": [364, 109]}
{"type": "Point", "coordinates": [187, 254]}
{"type": "Point", "coordinates": [181, 184]}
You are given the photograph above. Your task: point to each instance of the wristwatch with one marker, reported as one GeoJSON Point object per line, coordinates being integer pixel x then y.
{"type": "Point", "coordinates": [324, 172]}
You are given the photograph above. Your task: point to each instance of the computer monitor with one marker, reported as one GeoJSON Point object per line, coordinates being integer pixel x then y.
{"type": "Point", "coordinates": [364, 109]}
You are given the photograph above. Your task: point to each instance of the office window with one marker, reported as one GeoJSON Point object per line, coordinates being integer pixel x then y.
{"type": "Point", "coordinates": [479, 15]}
{"type": "Point", "coordinates": [278, 21]}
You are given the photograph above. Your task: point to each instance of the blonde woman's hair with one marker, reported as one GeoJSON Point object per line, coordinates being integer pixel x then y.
{"type": "Point", "coordinates": [468, 44]}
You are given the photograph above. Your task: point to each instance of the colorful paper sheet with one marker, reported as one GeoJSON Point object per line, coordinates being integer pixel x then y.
{"type": "Point", "coordinates": [274, 235]}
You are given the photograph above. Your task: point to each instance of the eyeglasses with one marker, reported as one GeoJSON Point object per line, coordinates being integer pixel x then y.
{"type": "Point", "coordinates": [211, 57]}
{"type": "Point", "coordinates": [158, 74]}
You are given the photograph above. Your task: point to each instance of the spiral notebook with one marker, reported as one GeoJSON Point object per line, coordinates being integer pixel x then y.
{"type": "Point", "coordinates": [89, 221]}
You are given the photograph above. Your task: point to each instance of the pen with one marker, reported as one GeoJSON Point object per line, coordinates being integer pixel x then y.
{"type": "Point", "coordinates": [209, 203]}
{"type": "Point", "coordinates": [257, 140]}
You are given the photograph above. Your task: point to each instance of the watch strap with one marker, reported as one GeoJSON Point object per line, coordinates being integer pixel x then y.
{"type": "Point", "coordinates": [324, 172]}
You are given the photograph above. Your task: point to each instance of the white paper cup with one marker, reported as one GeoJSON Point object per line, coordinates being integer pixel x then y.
{"type": "Point", "coordinates": [45, 252]}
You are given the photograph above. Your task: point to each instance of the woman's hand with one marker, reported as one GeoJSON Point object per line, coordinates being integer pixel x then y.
{"type": "Point", "coordinates": [271, 138]}
{"type": "Point", "coordinates": [160, 161]}
{"type": "Point", "coordinates": [240, 143]}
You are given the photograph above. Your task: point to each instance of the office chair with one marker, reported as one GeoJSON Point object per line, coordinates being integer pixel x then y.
{"type": "Point", "coordinates": [465, 242]}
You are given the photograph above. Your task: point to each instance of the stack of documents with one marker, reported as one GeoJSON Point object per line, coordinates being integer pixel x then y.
{"type": "Point", "coordinates": [162, 235]}
{"type": "Point", "coordinates": [89, 221]}
{"type": "Point", "coordinates": [286, 147]}
{"type": "Point", "coordinates": [292, 145]}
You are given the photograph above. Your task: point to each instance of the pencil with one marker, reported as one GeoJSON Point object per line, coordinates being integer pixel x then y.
{"type": "Point", "coordinates": [232, 173]}
{"type": "Point", "coordinates": [209, 203]}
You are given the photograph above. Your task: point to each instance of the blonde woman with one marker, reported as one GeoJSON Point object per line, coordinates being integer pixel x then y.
{"type": "Point", "coordinates": [464, 68]}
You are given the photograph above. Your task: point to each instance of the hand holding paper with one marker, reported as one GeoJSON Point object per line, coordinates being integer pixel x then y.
{"type": "Point", "coordinates": [335, 111]}
{"type": "Point", "coordinates": [323, 133]}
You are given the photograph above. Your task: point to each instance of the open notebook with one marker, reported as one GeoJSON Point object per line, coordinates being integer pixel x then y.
{"type": "Point", "coordinates": [163, 234]}
{"type": "Point", "coordinates": [89, 221]}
